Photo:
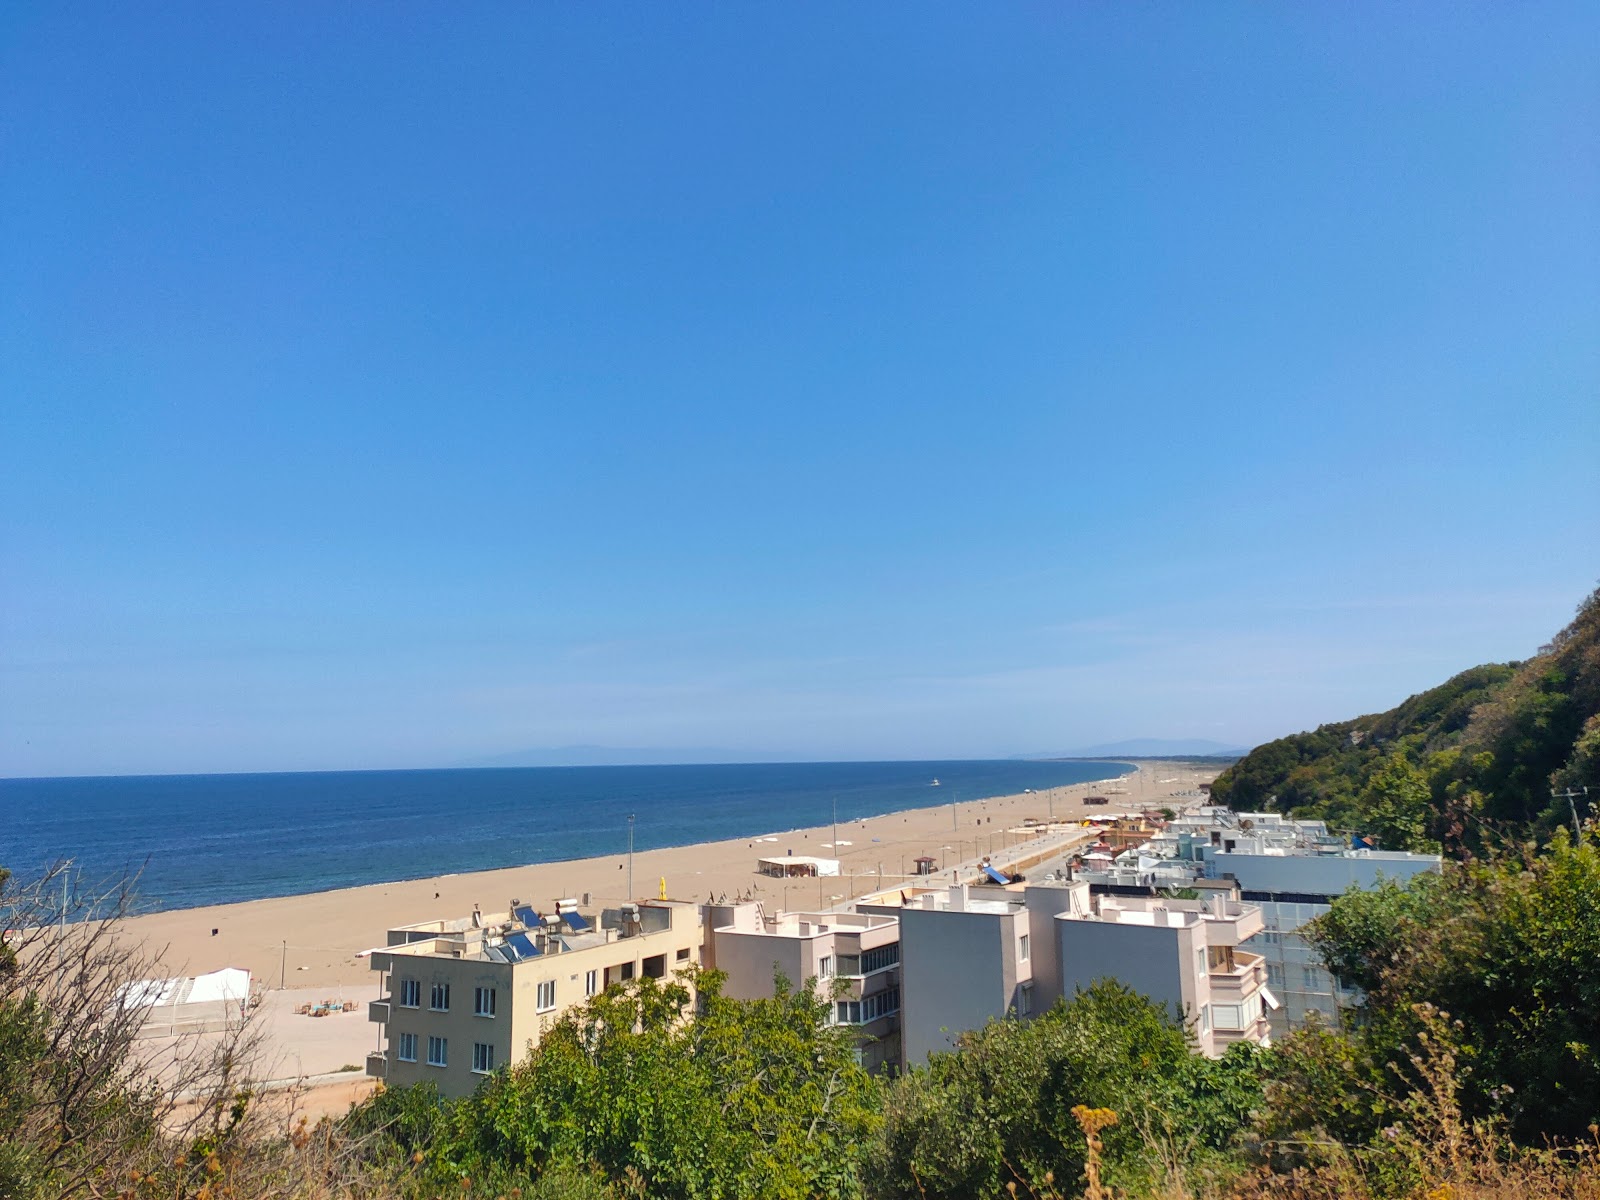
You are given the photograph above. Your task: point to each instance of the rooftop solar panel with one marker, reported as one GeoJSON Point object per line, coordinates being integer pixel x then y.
{"type": "Point", "coordinates": [575, 922]}
{"type": "Point", "coordinates": [495, 954]}
{"type": "Point", "coordinates": [526, 915]}
{"type": "Point", "coordinates": [523, 945]}
{"type": "Point", "coordinates": [995, 875]}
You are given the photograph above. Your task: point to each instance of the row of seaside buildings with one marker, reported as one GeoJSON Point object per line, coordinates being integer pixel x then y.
{"type": "Point", "coordinates": [910, 969]}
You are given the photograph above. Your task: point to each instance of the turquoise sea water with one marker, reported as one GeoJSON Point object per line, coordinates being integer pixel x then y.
{"type": "Point", "coordinates": [215, 839]}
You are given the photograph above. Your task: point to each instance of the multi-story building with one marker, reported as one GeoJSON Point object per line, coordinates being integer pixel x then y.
{"type": "Point", "coordinates": [974, 954]}
{"type": "Point", "coordinates": [463, 997]}
{"type": "Point", "coordinates": [854, 959]}
{"type": "Point", "coordinates": [1291, 869]}
{"type": "Point", "coordinates": [1182, 953]}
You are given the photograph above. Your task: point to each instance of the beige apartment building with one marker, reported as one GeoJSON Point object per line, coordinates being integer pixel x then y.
{"type": "Point", "coordinates": [856, 955]}
{"type": "Point", "coordinates": [463, 997]}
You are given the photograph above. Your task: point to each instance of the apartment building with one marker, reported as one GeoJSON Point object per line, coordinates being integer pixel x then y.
{"type": "Point", "coordinates": [1291, 869]}
{"type": "Point", "coordinates": [974, 954]}
{"type": "Point", "coordinates": [1182, 953]}
{"type": "Point", "coordinates": [462, 997]}
{"type": "Point", "coordinates": [854, 954]}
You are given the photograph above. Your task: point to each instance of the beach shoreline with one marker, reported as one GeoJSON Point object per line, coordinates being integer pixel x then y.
{"type": "Point", "coordinates": [315, 939]}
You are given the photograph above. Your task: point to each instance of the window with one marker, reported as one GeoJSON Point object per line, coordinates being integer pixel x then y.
{"type": "Point", "coordinates": [405, 1047]}
{"type": "Point", "coordinates": [1200, 961]}
{"type": "Point", "coordinates": [870, 1008]}
{"type": "Point", "coordinates": [1022, 948]}
{"type": "Point", "coordinates": [438, 1048]}
{"type": "Point", "coordinates": [825, 967]}
{"type": "Point", "coordinates": [482, 1058]}
{"type": "Point", "coordinates": [655, 967]}
{"type": "Point", "coordinates": [483, 1002]}
{"type": "Point", "coordinates": [439, 997]}
{"type": "Point", "coordinates": [1205, 1018]}
{"type": "Point", "coordinates": [880, 958]}
{"type": "Point", "coordinates": [546, 999]}
{"type": "Point", "coordinates": [1025, 1000]}
{"type": "Point", "coordinates": [591, 983]}
{"type": "Point", "coordinates": [1229, 1017]}
{"type": "Point", "coordinates": [683, 955]}
{"type": "Point", "coordinates": [410, 993]}
{"type": "Point", "coordinates": [627, 970]}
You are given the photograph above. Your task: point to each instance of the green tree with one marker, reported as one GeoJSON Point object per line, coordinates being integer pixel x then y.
{"type": "Point", "coordinates": [1511, 950]}
{"type": "Point", "coordinates": [997, 1109]}
{"type": "Point", "coordinates": [668, 1090]}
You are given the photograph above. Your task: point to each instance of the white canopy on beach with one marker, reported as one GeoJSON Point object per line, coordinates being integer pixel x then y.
{"type": "Point", "coordinates": [230, 983]}
{"type": "Point", "coordinates": [785, 865]}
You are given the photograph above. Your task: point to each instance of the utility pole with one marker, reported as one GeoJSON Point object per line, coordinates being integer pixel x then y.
{"type": "Point", "coordinates": [1570, 797]}
{"type": "Point", "coordinates": [630, 856]}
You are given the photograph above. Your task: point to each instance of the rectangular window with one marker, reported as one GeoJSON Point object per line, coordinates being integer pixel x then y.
{"type": "Point", "coordinates": [627, 970]}
{"type": "Point", "coordinates": [1025, 1000]}
{"type": "Point", "coordinates": [880, 958]}
{"type": "Point", "coordinates": [849, 1012]}
{"type": "Point", "coordinates": [437, 1051]}
{"type": "Point", "coordinates": [410, 993]}
{"type": "Point", "coordinates": [1229, 1017]}
{"type": "Point", "coordinates": [439, 997]}
{"type": "Point", "coordinates": [880, 1004]}
{"type": "Point", "coordinates": [655, 967]}
{"type": "Point", "coordinates": [591, 983]}
{"type": "Point", "coordinates": [1022, 948]}
{"type": "Point", "coordinates": [405, 1047]}
{"type": "Point", "coordinates": [546, 999]}
{"type": "Point", "coordinates": [483, 1002]}
{"type": "Point", "coordinates": [1200, 964]}
{"type": "Point", "coordinates": [683, 955]}
{"type": "Point", "coordinates": [482, 1058]}
{"type": "Point", "coordinates": [825, 967]}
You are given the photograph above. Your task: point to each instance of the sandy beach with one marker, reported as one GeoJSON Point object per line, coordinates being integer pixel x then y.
{"type": "Point", "coordinates": [312, 941]}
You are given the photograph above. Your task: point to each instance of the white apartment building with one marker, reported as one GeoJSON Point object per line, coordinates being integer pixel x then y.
{"type": "Point", "coordinates": [855, 954]}
{"type": "Point", "coordinates": [1291, 869]}
{"type": "Point", "coordinates": [974, 954]}
{"type": "Point", "coordinates": [464, 997]}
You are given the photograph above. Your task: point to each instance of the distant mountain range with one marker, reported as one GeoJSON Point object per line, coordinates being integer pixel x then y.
{"type": "Point", "coordinates": [1153, 748]}
{"type": "Point", "coordinates": [626, 756]}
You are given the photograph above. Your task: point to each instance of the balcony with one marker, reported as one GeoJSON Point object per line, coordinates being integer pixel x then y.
{"type": "Point", "coordinates": [1245, 978]}
{"type": "Point", "coordinates": [378, 1010]}
{"type": "Point", "coordinates": [377, 1064]}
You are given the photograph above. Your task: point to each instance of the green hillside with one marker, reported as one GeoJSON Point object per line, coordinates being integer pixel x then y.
{"type": "Point", "coordinates": [1470, 762]}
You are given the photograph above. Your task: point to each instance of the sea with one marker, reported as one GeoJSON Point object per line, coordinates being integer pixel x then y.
{"type": "Point", "coordinates": [217, 839]}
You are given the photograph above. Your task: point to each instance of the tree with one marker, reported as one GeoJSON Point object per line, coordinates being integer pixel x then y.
{"type": "Point", "coordinates": [82, 1099]}
{"type": "Point", "coordinates": [757, 1098]}
{"type": "Point", "coordinates": [998, 1108]}
{"type": "Point", "coordinates": [1511, 950]}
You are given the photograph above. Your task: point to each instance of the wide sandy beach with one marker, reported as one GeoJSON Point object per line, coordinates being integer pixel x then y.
{"type": "Point", "coordinates": [313, 941]}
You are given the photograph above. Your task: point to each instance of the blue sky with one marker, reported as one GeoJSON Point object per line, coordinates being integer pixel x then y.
{"type": "Point", "coordinates": [405, 388]}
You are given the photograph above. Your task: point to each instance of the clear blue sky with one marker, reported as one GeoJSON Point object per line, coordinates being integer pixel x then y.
{"type": "Point", "coordinates": [403, 386]}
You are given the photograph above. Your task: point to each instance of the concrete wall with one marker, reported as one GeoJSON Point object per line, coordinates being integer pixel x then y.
{"type": "Point", "coordinates": [958, 971]}
{"type": "Point", "coordinates": [1149, 959]}
{"type": "Point", "coordinates": [1044, 902]}
{"type": "Point", "coordinates": [1326, 875]}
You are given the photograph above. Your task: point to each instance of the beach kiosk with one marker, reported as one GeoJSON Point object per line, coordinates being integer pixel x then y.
{"type": "Point", "coordinates": [797, 866]}
{"type": "Point", "coordinates": [925, 864]}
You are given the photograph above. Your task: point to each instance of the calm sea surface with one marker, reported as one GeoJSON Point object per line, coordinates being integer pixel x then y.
{"type": "Point", "coordinates": [215, 839]}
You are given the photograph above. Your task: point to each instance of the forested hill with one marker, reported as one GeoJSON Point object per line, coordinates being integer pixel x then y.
{"type": "Point", "coordinates": [1471, 761]}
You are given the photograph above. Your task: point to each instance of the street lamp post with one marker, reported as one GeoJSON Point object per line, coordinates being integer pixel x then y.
{"type": "Point", "coordinates": [630, 856]}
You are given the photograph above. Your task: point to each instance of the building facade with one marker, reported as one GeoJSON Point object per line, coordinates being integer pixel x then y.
{"type": "Point", "coordinates": [464, 997]}
{"type": "Point", "coordinates": [852, 959]}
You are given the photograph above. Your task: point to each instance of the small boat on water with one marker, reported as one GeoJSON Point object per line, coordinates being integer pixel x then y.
{"type": "Point", "coordinates": [935, 783]}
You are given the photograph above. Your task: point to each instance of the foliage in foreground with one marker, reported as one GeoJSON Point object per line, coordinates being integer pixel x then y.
{"type": "Point", "coordinates": [758, 1098]}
